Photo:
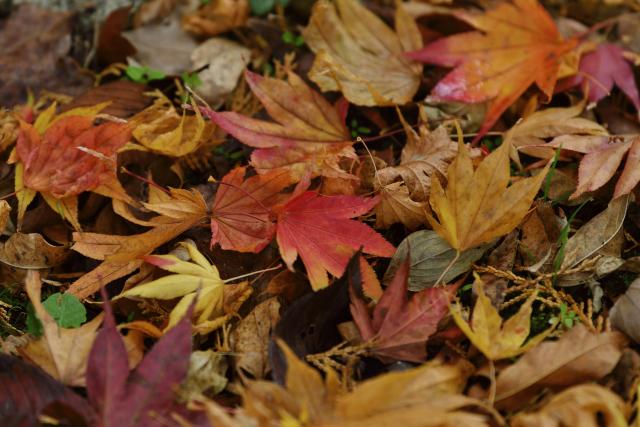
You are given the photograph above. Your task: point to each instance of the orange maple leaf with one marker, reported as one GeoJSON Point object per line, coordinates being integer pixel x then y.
{"type": "Point", "coordinates": [517, 44]}
{"type": "Point", "coordinates": [319, 229]}
{"type": "Point", "coordinates": [241, 217]}
{"type": "Point", "coordinates": [56, 163]}
{"type": "Point", "coordinates": [309, 137]}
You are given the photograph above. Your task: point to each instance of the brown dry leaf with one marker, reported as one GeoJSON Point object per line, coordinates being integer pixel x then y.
{"type": "Point", "coordinates": [477, 206]}
{"type": "Point", "coordinates": [216, 17]}
{"type": "Point", "coordinates": [529, 134]}
{"type": "Point", "coordinates": [396, 206]}
{"type": "Point", "coordinates": [250, 339]}
{"type": "Point", "coordinates": [357, 54]}
{"type": "Point", "coordinates": [625, 314]}
{"type": "Point", "coordinates": [578, 356]}
{"type": "Point", "coordinates": [495, 338]}
{"type": "Point", "coordinates": [61, 352]}
{"type": "Point", "coordinates": [539, 239]}
{"type": "Point", "coordinates": [586, 405]}
{"type": "Point", "coordinates": [31, 251]}
{"type": "Point", "coordinates": [5, 210]}
{"type": "Point", "coordinates": [177, 212]}
{"type": "Point", "coordinates": [425, 396]}
{"type": "Point", "coordinates": [425, 154]}
{"type": "Point", "coordinates": [160, 129]}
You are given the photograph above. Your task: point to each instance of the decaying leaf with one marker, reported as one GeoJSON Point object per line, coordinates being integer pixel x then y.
{"type": "Point", "coordinates": [425, 155]}
{"type": "Point", "coordinates": [308, 136]}
{"type": "Point", "coordinates": [578, 356]}
{"type": "Point", "coordinates": [31, 251]}
{"type": "Point", "coordinates": [397, 206]}
{"type": "Point", "coordinates": [495, 338]}
{"type": "Point", "coordinates": [359, 55]}
{"type": "Point", "coordinates": [216, 17]}
{"type": "Point", "coordinates": [430, 256]}
{"type": "Point", "coordinates": [501, 60]}
{"type": "Point", "coordinates": [399, 327]}
{"type": "Point", "coordinates": [477, 206]}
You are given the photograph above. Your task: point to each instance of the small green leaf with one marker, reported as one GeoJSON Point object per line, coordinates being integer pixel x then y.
{"type": "Point", "coordinates": [66, 309]}
{"type": "Point", "coordinates": [34, 327]}
{"type": "Point", "coordinates": [262, 7]}
{"type": "Point", "coordinates": [192, 80]}
{"type": "Point", "coordinates": [137, 74]}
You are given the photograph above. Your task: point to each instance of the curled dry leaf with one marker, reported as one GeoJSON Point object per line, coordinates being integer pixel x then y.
{"type": "Point", "coordinates": [159, 128]}
{"type": "Point", "coordinates": [580, 355]}
{"type": "Point", "coordinates": [478, 206]}
{"type": "Point", "coordinates": [308, 136]}
{"type": "Point", "coordinates": [501, 60]}
{"type": "Point", "coordinates": [424, 156]}
{"type": "Point", "coordinates": [495, 338]}
{"type": "Point", "coordinates": [397, 206]}
{"type": "Point", "coordinates": [359, 55]}
{"type": "Point", "coordinates": [587, 405]}
{"type": "Point", "coordinates": [31, 251]}
{"type": "Point", "coordinates": [528, 136]}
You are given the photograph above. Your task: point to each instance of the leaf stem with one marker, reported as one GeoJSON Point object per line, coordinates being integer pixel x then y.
{"type": "Point", "coordinates": [446, 270]}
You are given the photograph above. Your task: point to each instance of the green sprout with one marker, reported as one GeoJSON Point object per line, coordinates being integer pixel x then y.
{"type": "Point", "coordinates": [143, 74]}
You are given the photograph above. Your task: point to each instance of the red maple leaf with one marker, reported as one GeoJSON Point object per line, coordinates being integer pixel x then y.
{"type": "Point", "coordinates": [241, 217]}
{"type": "Point", "coordinates": [56, 161]}
{"type": "Point", "coordinates": [319, 229]}
{"type": "Point", "coordinates": [400, 327]}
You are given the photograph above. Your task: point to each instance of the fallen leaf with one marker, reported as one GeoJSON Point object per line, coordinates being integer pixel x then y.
{"type": "Point", "coordinates": [399, 327]}
{"type": "Point", "coordinates": [5, 210]}
{"type": "Point", "coordinates": [250, 339]}
{"type": "Point", "coordinates": [319, 229]}
{"type": "Point", "coordinates": [241, 211]}
{"type": "Point", "coordinates": [27, 392]}
{"type": "Point", "coordinates": [625, 312]}
{"type": "Point", "coordinates": [578, 356]}
{"type": "Point", "coordinates": [224, 61]}
{"type": "Point", "coordinates": [146, 395]}
{"type": "Point", "coordinates": [598, 166]}
{"type": "Point", "coordinates": [197, 280]}
{"type": "Point", "coordinates": [477, 206]}
{"type": "Point", "coordinates": [431, 255]}
{"type": "Point", "coordinates": [216, 17]}
{"type": "Point", "coordinates": [424, 155]}
{"type": "Point", "coordinates": [528, 135]}
{"type": "Point", "coordinates": [359, 55]}
{"type": "Point", "coordinates": [495, 338]}
{"type": "Point", "coordinates": [595, 234]}
{"type": "Point", "coordinates": [163, 46]}
{"type": "Point", "coordinates": [309, 135]}
{"type": "Point", "coordinates": [600, 69]}
{"type": "Point", "coordinates": [159, 128]}
{"type": "Point", "coordinates": [206, 375]}
{"type": "Point", "coordinates": [31, 251]}
{"type": "Point", "coordinates": [588, 405]}
{"type": "Point", "coordinates": [124, 98]}
{"type": "Point", "coordinates": [177, 212]}
{"type": "Point", "coordinates": [397, 206]}
{"type": "Point", "coordinates": [51, 352]}
{"type": "Point", "coordinates": [540, 232]}
{"type": "Point", "coordinates": [501, 60]}
{"type": "Point", "coordinates": [37, 59]}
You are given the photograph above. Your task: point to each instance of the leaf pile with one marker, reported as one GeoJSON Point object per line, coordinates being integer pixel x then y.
{"type": "Point", "coordinates": [320, 213]}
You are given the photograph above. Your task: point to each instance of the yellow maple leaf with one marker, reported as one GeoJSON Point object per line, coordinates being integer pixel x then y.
{"type": "Point", "coordinates": [479, 206]}
{"type": "Point", "coordinates": [493, 337]}
{"type": "Point", "coordinates": [197, 279]}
